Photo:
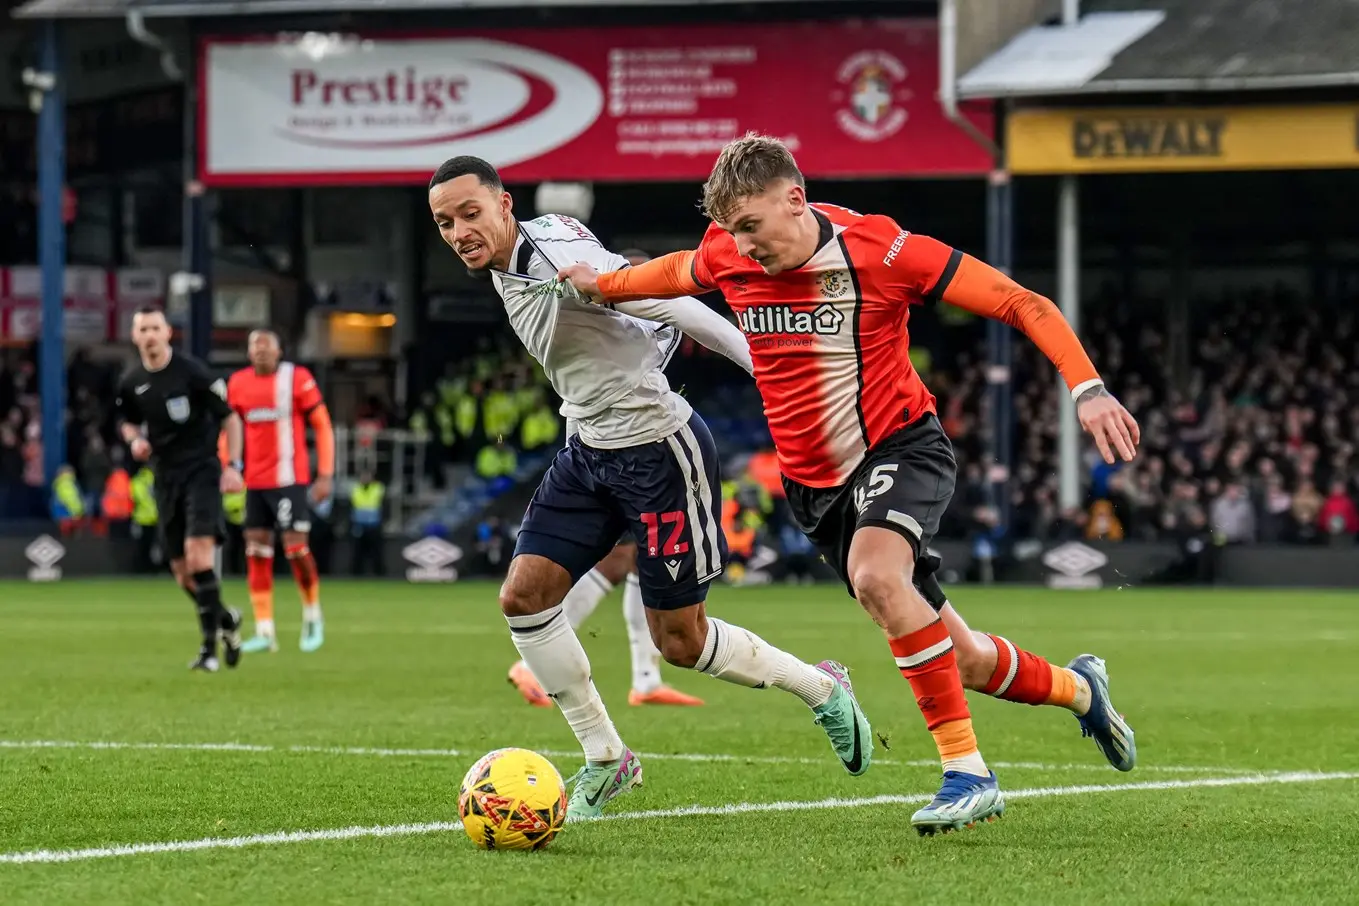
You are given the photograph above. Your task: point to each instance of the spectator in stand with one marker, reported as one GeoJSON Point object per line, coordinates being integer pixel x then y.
{"type": "Point", "coordinates": [1338, 516]}
{"type": "Point", "coordinates": [1307, 503]}
{"type": "Point", "coordinates": [1103, 525]}
{"type": "Point", "coordinates": [95, 466]}
{"type": "Point", "coordinates": [540, 426]}
{"type": "Point", "coordinates": [1233, 516]}
{"type": "Point", "coordinates": [493, 547]}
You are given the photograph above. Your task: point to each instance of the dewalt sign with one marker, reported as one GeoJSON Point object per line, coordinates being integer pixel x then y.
{"type": "Point", "coordinates": [1157, 139]}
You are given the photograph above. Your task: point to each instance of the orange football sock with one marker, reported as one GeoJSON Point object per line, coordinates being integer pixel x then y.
{"type": "Point", "coordinates": [260, 582]}
{"type": "Point", "coordinates": [1024, 677]}
{"type": "Point", "coordinates": [308, 579]}
{"type": "Point", "coordinates": [926, 658]}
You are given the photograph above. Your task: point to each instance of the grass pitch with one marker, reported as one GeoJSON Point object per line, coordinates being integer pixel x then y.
{"type": "Point", "coordinates": [332, 777]}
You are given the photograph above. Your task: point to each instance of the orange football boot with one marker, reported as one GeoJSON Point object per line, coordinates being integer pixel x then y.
{"type": "Point", "coordinates": [663, 695]}
{"type": "Point", "coordinates": [523, 679]}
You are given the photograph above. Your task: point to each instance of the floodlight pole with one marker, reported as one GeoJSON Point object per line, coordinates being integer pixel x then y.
{"type": "Point", "coordinates": [1069, 301]}
{"type": "Point", "coordinates": [47, 96]}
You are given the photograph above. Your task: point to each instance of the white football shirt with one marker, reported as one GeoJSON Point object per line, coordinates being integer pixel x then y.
{"type": "Point", "coordinates": [605, 364]}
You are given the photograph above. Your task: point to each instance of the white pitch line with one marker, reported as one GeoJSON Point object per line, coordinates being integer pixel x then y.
{"type": "Point", "coordinates": [741, 808]}
{"type": "Point", "coordinates": [738, 808]}
{"type": "Point", "coordinates": [700, 757]}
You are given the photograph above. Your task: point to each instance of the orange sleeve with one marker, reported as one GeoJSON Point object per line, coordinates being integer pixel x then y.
{"type": "Point", "coordinates": [981, 289]}
{"type": "Point", "coordinates": [306, 394]}
{"type": "Point", "coordinates": [667, 277]}
{"type": "Point", "coordinates": [223, 451]}
{"type": "Point", "coordinates": [325, 440]}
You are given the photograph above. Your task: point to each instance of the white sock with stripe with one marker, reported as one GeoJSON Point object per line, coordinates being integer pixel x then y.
{"type": "Point", "coordinates": [740, 657]}
{"type": "Point", "coordinates": [549, 647]}
{"type": "Point", "coordinates": [585, 596]}
{"type": "Point", "coordinates": [646, 659]}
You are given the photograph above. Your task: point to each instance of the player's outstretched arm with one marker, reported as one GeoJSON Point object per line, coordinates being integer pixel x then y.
{"type": "Point", "coordinates": [979, 288]}
{"type": "Point", "coordinates": [691, 316]}
{"type": "Point", "coordinates": [667, 277]}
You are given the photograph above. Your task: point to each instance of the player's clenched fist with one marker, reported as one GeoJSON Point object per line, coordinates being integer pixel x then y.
{"type": "Point", "coordinates": [584, 278]}
{"type": "Point", "coordinates": [1112, 426]}
{"type": "Point", "coordinates": [141, 449]}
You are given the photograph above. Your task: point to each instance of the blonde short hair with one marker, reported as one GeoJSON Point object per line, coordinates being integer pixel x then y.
{"type": "Point", "coordinates": [745, 168]}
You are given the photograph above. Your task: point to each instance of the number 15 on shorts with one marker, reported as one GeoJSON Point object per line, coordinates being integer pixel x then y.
{"type": "Point", "coordinates": [671, 525]}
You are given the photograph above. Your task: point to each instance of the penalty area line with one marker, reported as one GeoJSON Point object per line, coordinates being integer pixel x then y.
{"type": "Point", "coordinates": [698, 757]}
{"type": "Point", "coordinates": [49, 856]}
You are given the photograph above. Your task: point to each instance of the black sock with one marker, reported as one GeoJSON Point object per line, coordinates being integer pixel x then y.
{"type": "Point", "coordinates": [208, 598]}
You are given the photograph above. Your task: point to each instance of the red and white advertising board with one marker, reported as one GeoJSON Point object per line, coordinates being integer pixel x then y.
{"type": "Point", "coordinates": [852, 99]}
{"type": "Point", "coordinates": [99, 303]}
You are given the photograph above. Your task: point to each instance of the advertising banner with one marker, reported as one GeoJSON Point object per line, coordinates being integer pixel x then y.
{"type": "Point", "coordinates": [852, 99]}
{"type": "Point", "coordinates": [99, 303]}
{"type": "Point", "coordinates": [1130, 140]}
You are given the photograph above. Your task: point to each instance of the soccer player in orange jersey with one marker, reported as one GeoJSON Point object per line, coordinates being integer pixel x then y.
{"type": "Point", "coordinates": [823, 295]}
{"type": "Point", "coordinates": [276, 399]}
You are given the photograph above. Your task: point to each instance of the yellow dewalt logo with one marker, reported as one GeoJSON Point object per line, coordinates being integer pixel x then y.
{"type": "Point", "coordinates": [1141, 137]}
{"type": "Point", "coordinates": [1151, 139]}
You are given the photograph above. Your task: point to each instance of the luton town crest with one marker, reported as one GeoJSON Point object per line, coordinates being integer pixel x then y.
{"type": "Point", "coordinates": [874, 89]}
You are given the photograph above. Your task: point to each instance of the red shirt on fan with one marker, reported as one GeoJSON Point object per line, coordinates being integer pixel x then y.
{"type": "Point", "coordinates": [274, 408]}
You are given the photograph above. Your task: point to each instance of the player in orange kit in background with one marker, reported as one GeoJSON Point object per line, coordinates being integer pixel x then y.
{"type": "Point", "coordinates": [274, 398]}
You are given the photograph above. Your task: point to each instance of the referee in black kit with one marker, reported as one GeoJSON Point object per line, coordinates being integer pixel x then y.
{"type": "Point", "coordinates": [182, 407]}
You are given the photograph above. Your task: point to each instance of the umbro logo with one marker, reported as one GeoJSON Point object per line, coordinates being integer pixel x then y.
{"type": "Point", "coordinates": [44, 553]}
{"type": "Point", "coordinates": [433, 560]}
{"type": "Point", "coordinates": [1076, 564]}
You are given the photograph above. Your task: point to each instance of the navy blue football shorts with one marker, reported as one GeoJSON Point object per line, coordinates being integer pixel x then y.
{"type": "Point", "coordinates": [667, 495]}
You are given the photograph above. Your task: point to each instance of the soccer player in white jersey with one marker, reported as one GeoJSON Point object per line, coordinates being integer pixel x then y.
{"type": "Point", "coordinates": [640, 460]}
{"type": "Point", "coordinates": [618, 565]}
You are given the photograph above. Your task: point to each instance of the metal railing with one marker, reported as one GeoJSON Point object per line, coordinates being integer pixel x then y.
{"type": "Point", "coordinates": [396, 458]}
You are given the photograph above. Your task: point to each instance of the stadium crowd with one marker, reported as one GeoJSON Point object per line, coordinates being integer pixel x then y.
{"type": "Point", "coordinates": [1258, 446]}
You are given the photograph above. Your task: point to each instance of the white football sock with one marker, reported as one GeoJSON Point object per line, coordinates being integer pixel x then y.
{"type": "Point", "coordinates": [646, 658]}
{"type": "Point", "coordinates": [265, 627]}
{"type": "Point", "coordinates": [549, 647]}
{"type": "Point", "coordinates": [968, 764]}
{"type": "Point", "coordinates": [585, 596]}
{"type": "Point", "coordinates": [311, 612]}
{"type": "Point", "coordinates": [739, 656]}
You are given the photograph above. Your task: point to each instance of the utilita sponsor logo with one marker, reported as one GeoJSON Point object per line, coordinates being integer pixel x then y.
{"type": "Point", "coordinates": [780, 319]}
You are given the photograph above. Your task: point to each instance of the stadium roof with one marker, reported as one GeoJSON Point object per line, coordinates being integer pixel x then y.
{"type": "Point", "coordinates": [88, 9]}
{"type": "Point", "coordinates": [1178, 45]}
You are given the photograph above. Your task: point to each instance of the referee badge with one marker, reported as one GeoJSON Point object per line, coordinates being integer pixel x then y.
{"type": "Point", "coordinates": [178, 408]}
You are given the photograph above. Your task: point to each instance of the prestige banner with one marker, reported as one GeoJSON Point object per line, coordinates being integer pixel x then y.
{"type": "Point", "coordinates": [852, 99]}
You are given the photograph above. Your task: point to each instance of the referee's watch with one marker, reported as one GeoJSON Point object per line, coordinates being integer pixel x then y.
{"type": "Point", "coordinates": [237, 464]}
